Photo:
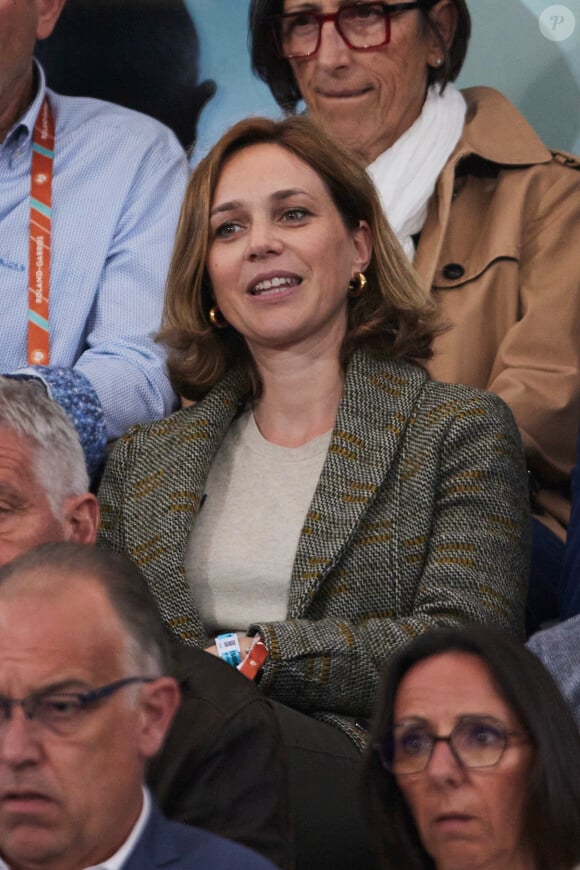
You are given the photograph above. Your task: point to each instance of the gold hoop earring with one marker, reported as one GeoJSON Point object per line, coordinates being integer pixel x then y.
{"type": "Point", "coordinates": [357, 284]}
{"type": "Point", "coordinates": [216, 318]}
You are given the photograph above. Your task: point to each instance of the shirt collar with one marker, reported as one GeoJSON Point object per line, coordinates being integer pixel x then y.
{"type": "Point", "coordinates": [116, 861]}
{"type": "Point", "coordinates": [27, 121]}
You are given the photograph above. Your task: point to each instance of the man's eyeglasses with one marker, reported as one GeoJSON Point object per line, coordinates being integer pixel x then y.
{"type": "Point", "coordinates": [362, 26]}
{"type": "Point", "coordinates": [62, 712]}
{"type": "Point", "coordinates": [474, 742]}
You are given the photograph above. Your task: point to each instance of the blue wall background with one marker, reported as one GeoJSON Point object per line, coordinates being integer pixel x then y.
{"type": "Point", "coordinates": [508, 51]}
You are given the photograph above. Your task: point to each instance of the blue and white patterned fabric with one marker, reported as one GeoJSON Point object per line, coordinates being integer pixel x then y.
{"type": "Point", "coordinates": [119, 179]}
{"type": "Point", "coordinates": [558, 648]}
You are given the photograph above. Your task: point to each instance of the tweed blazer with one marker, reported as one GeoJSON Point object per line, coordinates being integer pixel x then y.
{"type": "Point", "coordinates": [420, 518]}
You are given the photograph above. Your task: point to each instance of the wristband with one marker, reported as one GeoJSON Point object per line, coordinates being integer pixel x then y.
{"type": "Point", "coordinates": [228, 648]}
{"type": "Point", "coordinates": [255, 658]}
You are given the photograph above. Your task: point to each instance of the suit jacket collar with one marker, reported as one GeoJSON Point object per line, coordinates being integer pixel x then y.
{"type": "Point", "coordinates": [154, 848]}
{"type": "Point", "coordinates": [375, 409]}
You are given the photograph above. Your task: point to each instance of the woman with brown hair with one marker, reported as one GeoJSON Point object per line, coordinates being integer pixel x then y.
{"type": "Point", "coordinates": [322, 493]}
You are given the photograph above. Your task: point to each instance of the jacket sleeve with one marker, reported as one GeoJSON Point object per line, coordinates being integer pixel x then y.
{"type": "Point", "coordinates": [227, 775]}
{"type": "Point", "coordinates": [537, 367]}
{"type": "Point", "coordinates": [120, 359]}
{"type": "Point", "coordinates": [473, 545]}
{"type": "Point", "coordinates": [111, 495]}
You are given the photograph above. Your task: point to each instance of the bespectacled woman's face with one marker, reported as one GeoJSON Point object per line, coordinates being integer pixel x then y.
{"type": "Point", "coordinates": [467, 818]}
{"type": "Point", "coordinates": [280, 256]}
{"type": "Point", "coordinates": [367, 99]}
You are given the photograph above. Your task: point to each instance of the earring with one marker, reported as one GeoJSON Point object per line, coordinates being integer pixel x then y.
{"type": "Point", "coordinates": [357, 284]}
{"type": "Point", "coordinates": [439, 61]}
{"type": "Point", "coordinates": [216, 318]}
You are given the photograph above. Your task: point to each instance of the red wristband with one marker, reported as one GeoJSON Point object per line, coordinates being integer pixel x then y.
{"type": "Point", "coordinates": [253, 663]}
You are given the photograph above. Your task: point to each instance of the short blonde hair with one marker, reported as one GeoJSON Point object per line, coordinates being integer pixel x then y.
{"type": "Point", "coordinates": [393, 317]}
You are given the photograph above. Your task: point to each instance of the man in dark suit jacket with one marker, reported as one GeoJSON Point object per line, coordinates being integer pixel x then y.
{"type": "Point", "coordinates": [86, 700]}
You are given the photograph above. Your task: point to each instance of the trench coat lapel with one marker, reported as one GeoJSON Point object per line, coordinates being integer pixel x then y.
{"type": "Point", "coordinates": [376, 407]}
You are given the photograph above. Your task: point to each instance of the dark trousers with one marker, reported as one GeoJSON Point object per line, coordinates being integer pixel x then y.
{"type": "Point", "coordinates": [570, 585]}
{"type": "Point", "coordinates": [324, 769]}
{"type": "Point", "coordinates": [542, 605]}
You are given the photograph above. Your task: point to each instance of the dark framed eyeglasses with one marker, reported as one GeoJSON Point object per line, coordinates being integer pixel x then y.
{"type": "Point", "coordinates": [475, 742]}
{"type": "Point", "coordinates": [62, 712]}
{"type": "Point", "coordinates": [362, 26]}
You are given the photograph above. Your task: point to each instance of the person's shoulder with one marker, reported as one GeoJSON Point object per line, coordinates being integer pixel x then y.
{"type": "Point", "coordinates": [486, 105]}
{"type": "Point", "coordinates": [560, 640]}
{"type": "Point", "coordinates": [193, 421]}
{"type": "Point", "coordinates": [168, 427]}
{"type": "Point", "coordinates": [378, 370]}
{"type": "Point", "coordinates": [89, 114]}
{"type": "Point", "coordinates": [195, 847]}
{"type": "Point", "coordinates": [464, 402]}
{"type": "Point", "coordinates": [482, 97]}
{"type": "Point", "coordinates": [496, 130]}
{"type": "Point", "coordinates": [558, 648]}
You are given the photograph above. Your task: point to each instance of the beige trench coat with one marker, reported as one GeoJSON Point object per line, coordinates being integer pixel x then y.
{"type": "Point", "coordinates": [501, 251]}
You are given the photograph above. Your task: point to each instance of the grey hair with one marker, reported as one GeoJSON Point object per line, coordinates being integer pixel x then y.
{"type": "Point", "coordinates": [58, 458]}
{"type": "Point", "coordinates": [67, 562]}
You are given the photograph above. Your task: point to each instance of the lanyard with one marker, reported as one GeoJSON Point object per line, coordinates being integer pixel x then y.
{"type": "Point", "coordinates": [39, 247]}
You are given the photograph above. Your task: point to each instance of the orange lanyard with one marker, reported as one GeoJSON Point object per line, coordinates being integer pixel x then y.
{"type": "Point", "coordinates": [39, 247]}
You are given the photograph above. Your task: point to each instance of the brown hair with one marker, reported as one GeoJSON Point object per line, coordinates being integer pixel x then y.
{"type": "Point", "coordinates": [277, 73]}
{"type": "Point", "coordinates": [393, 317]}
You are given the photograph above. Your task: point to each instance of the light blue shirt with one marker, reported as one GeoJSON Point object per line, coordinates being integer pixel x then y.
{"type": "Point", "coordinates": [119, 179]}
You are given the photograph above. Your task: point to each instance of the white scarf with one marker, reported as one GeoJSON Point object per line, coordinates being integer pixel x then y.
{"type": "Point", "coordinates": [405, 174]}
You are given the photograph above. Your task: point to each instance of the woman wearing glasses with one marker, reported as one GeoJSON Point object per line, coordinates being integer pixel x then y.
{"type": "Point", "coordinates": [474, 761]}
{"type": "Point", "coordinates": [487, 214]}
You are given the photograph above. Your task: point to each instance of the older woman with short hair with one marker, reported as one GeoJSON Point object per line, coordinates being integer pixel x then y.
{"type": "Point", "coordinates": [488, 215]}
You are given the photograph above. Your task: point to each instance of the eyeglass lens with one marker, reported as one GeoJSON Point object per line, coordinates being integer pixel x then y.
{"type": "Point", "coordinates": [475, 742]}
{"type": "Point", "coordinates": [365, 25]}
{"type": "Point", "coordinates": [61, 712]}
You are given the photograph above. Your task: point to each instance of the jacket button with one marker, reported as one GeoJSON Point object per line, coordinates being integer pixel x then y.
{"type": "Point", "coordinates": [453, 271]}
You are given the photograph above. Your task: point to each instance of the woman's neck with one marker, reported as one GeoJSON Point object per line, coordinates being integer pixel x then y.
{"type": "Point", "coordinates": [520, 859]}
{"type": "Point", "coordinates": [300, 396]}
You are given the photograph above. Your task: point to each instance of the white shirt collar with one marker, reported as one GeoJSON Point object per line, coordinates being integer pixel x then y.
{"type": "Point", "coordinates": [116, 861]}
